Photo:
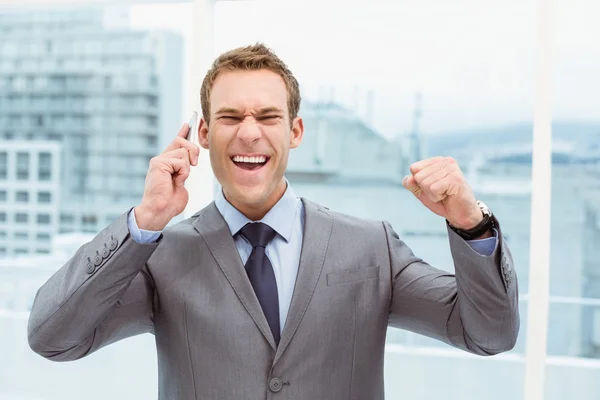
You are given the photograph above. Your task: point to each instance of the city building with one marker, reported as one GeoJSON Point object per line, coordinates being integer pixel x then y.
{"type": "Point", "coordinates": [107, 94]}
{"type": "Point", "coordinates": [339, 147]}
{"type": "Point", "coordinates": [29, 196]}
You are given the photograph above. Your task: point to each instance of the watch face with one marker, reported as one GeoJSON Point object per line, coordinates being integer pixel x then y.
{"type": "Point", "coordinates": [484, 209]}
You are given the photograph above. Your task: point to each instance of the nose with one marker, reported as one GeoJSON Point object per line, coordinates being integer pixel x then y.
{"type": "Point", "coordinates": [249, 131]}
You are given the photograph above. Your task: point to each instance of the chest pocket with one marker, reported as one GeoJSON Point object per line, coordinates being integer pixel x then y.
{"type": "Point", "coordinates": [352, 275]}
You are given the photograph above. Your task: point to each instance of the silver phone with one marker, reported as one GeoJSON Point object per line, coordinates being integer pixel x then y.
{"type": "Point", "coordinates": [192, 123]}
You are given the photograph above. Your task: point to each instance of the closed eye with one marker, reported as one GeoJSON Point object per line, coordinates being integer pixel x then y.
{"type": "Point", "coordinates": [268, 118]}
{"type": "Point", "coordinates": [229, 118]}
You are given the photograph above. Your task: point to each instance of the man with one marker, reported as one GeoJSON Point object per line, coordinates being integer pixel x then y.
{"type": "Point", "coordinates": [262, 294]}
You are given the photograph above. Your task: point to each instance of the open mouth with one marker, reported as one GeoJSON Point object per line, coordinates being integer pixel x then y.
{"type": "Point", "coordinates": [250, 163]}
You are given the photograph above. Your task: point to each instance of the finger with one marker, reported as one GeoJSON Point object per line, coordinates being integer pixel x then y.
{"type": "Point", "coordinates": [420, 189]}
{"type": "Point", "coordinates": [164, 159]}
{"type": "Point", "coordinates": [426, 172]}
{"type": "Point", "coordinates": [410, 184]}
{"type": "Point", "coordinates": [184, 130]}
{"type": "Point", "coordinates": [419, 165]}
{"type": "Point", "coordinates": [178, 167]}
{"type": "Point", "coordinates": [180, 152]}
{"type": "Point", "coordinates": [449, 186]}
{"type": "Point", "coordinates": [435, 173]}
{"type": "Point", "coordinates": [181, 141]}
{"type": "Point", "coordinates": [184, 152]}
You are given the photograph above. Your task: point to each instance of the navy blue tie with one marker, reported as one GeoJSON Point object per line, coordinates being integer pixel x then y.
{"type": "Point", "coordinates": [260, 272]}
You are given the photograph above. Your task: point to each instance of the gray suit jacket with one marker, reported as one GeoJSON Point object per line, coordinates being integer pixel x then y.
{"type": "Point", "coordinates": [190, 290]}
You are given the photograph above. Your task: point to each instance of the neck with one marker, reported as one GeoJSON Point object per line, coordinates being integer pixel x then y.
{"type": "Point", "coordinates": [257, 211]}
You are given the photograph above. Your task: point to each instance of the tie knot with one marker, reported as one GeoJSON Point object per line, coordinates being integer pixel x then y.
{"type": "Point", "coordinates": [258, 234]}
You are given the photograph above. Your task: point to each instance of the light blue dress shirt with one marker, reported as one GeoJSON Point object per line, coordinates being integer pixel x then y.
{"type": "Point", "coordinates": [287, 219]}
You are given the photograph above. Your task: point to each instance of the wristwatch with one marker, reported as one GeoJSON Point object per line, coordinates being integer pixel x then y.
{"type": "Point", "coordinates": [486, 224]}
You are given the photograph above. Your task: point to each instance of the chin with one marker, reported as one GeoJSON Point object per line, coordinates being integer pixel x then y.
{"type": "Point", "coordinates": [250, 194]}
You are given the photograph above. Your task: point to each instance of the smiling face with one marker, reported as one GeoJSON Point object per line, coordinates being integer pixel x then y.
{"type": "Point", "coordinates": [249, 138]}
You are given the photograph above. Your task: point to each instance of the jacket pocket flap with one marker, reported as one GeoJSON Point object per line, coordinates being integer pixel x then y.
{"type": "Point", "coordinates": [352, 275]}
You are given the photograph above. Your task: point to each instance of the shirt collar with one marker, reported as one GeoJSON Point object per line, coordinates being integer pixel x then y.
{"type": "Point", "coordinates": [280, 217]}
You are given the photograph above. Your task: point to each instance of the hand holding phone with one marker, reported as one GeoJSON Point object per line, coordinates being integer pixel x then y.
{"type": "Point", "coordinates": [165, 195]}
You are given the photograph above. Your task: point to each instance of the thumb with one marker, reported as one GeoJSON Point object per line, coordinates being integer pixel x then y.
{"type": "Point", "coordinates": [409, 183]}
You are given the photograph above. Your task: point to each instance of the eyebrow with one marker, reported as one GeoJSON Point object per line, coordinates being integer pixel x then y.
{"type": "Point", "coordinates": [262, 111]}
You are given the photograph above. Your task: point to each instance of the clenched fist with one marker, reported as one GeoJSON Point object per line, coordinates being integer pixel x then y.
{"type": "Point", "coordinates": [441, 186]}
{"type": "Point", "coordinates": [165, 196]}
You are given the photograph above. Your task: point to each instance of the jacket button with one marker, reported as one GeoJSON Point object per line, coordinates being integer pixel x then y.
{"type": "Point", "coordinates": [275, 385]}
{"type": "Point", "coordinates": [105, 252]}
{"type": "Point", "coordinates": [90, 267]}
{"type": "Point", "coordinates": [112, 245]}
{"type": "Point", "coordinates": [97, 259]}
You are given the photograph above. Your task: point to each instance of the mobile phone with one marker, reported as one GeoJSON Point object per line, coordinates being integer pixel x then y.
{"type": "Point", "coordinates": [192, 124]}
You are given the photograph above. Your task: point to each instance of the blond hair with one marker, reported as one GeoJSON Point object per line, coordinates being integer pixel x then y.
{"type": "Point", "coordinates": [251, 58]}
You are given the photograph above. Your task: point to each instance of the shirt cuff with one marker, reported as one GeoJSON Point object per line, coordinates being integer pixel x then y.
{"type": "Point", "coordinates": [140, 235]}
{"type": "Point", "coordinates": [486, 246]}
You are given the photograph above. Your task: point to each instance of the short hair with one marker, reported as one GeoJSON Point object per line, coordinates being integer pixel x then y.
{"type": "Point", "coordinates": [251, 58]}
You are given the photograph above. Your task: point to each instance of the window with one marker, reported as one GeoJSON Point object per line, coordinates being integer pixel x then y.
{"type": "Point", "coordinates": [2, 196]}
{"type": "Point", "coordinates": [21, 217]}
{"type": "Point", "coordinates": [2, 235]}
{"type": "Point", "coordinates": [45, 237]}
{"type": "Point", "coordinates": [3, 165]}
{"type": "Point", "coordinates": [151, 141]}
{"type": "Point", "coordinates": [62, 87]}
{"type": "Point", "coordinates": [67, 218]}
{"type": "Point", "coordinates": [44, 197]}
{"type": "Point", "coordinates": [45, 166]}
{"type": "Point", "coordinates": [43, 219]}
{"type": "Point", "coordinates": [440, 77]}
{"type": "Point", "coordinates": [21, 235]}
{"type": "Point", "coordinates": [574, 292]}
{"type": "Point", "coordinates": [152, 122]}
{"type": "Point", "coordinates": [88, 219]}
{"type": "Point", "coordinates": [22, 197]}
{"type": "Point", "coordinates": [22, 166]}
{"type": "Point", "coordinates": [2, 216]}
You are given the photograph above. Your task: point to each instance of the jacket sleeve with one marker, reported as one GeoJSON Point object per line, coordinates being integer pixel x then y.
{"type": "Point", "coordinates": [103, 294]}
{"type": "Point", "coordinates": [474, 309]}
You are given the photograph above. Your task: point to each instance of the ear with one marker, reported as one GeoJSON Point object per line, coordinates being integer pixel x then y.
{"type": "Point", "coordinates": [203, 133]}
{"type": "Point", "coordinates": [297, 133]}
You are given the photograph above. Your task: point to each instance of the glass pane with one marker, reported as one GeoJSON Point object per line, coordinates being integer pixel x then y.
{"type": "Point", "coordinates": [87, 96]}
{"type": "Point", "coordinates": [574, 325]}
{"type": "Point", "coordinates": [22, 197]}
{"type": "Point", "coordinates": [44, 197]}
{"type": "Point", "coordinates": [385, 84]}
{"type": "Point", "coordinates": [45, 166]}
{"type": "Point", "coordinates": [22, 166]}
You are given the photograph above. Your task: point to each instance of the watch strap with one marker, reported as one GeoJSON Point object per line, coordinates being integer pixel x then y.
{"type": "Point", "coordinates": [487, 223]}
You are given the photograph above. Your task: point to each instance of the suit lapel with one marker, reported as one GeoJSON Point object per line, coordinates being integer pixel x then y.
{"type": "Point", "coordinates": [318, 225]}
{"type": "Point", "coordinates": [215, 232]}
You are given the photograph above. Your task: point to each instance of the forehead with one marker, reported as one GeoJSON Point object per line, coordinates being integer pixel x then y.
{"type": "Point", "coordinates": [248, 90]}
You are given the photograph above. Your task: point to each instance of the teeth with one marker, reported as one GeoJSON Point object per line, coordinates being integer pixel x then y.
{"type": "Point", "coordinates": [256, 160]}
